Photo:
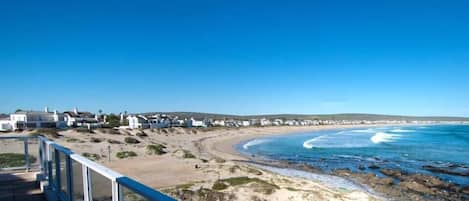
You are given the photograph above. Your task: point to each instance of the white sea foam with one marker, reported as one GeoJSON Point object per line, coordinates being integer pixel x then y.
{"type": "Point", "coordinates": [402, 131]}
{"type": "Point", "coordinates": [384, 137]}
{"type": "Point", "coordinates": [308, 144]}
{"type": "Point", "coordinates": [328, 180]}
{"type": "Point", "coordinates": [254, 142]}
{"type": "Point", "coordinates": [363, 131]}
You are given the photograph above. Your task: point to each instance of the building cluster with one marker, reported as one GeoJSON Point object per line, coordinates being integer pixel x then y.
{"type": "Point", "coordinates": [21, 120]}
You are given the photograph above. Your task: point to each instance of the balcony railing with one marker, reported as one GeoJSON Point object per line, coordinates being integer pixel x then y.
{"type": "Point", "coordinates": [72, 177]}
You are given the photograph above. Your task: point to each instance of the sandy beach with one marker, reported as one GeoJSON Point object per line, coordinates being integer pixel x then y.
{"type": "Point", "coordinates": [215, 159]}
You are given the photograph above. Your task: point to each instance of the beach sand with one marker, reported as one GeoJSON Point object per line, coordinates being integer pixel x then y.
{"type": "Point", "coordinates": [215, 157]}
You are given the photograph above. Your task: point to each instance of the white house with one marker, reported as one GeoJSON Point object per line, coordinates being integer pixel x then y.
{"type": "Point", "coordinates": [196, 123]}
{"type": "Point", "coordinates": [138, 121]}
{"type": "Point", "coordinates": [5, 125]}
{"type": "Point", "coordinates": [218, 122]}
{"type": "Point", "coordinates": [265, 122]}
{"type": "Point", "coordinates": [277, 122]}
{"type": "Point", "coordinates": [36, 119]}
{"type": "Point", "coordinates": [81, 119]}
{"type": "Point", "coordinates": [254, 122]}
{"type": "Point", "coordinates": [159, 122]}
{"type": "Point", "coordinates": [177, 123]}
{"type": "Point", "coordinates": [245, 123]}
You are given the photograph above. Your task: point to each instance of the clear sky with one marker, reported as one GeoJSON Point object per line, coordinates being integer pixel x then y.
{"type": "Point", "coordinates": [237, 57]}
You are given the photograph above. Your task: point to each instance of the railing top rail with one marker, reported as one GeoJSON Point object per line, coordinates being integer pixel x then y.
{"type": "Point", "coordinates": [62, 149]}
{"type": "Point", "coordinates": [96, 167]}
{"type": "Point", "coordinates": [15, 137]}
{"type": "Point", "coordinates": [143, 190]}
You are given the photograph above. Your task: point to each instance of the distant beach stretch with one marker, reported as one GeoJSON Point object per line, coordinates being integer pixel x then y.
{"type": "Point", "coordinates": [413, 149]}
{"type": "Point", "coordinates": [395, 155]}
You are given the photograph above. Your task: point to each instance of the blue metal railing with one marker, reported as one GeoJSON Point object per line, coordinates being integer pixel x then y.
{"type": "Point", "coordinates": [57, 161]}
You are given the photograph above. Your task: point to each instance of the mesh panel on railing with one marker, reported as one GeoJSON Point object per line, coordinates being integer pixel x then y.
{"type": "Point", "coordinates": [52, 167]}
{"type": "Point", "coordinates": [33, 147]}
{"type": "Point", "coordinates": [63, 172]}
{"type": "Point", "coordinates": [77, 171]}
{"type": "Point", "coordinates": [130, 195]}
{"type": "Point", "coordinates": [101, 187]}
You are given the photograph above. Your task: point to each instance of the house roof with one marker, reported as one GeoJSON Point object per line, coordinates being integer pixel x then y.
{"type": "Point", "coordinates": [79, 114]}
{"type": "Point", "coordinates": [34, 112]}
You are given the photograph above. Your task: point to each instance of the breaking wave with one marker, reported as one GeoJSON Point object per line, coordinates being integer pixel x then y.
{"type": "Point", "coordinates": [254, 142]}
{"type": "Point", "coordinates": [363, 131]}
{"type": "Point", "coordinates": [384, 137]}
{"type": "Point", "coordinates": [308, 144]}
{"type": "Point", "coordinates": [402, 131]}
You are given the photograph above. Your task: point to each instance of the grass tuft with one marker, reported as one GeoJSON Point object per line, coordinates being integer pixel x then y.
{"type": "Point", "coordinates": [157, 149]}
{"type": "Point", "coordinates": [125, 154]}
{"type": "Point", "coordinates": [131, 140]}
{"type": "Point", "coordinates": [8, 160]}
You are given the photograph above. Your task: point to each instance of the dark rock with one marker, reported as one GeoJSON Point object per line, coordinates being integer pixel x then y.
{"type": "Point", "coordinates": [343, 172]}
{"type": "Point", "coordinates": [307, 168]}
{"type": "Point", "coordinates": [416, 187]}
{"type": "Point", "coordinates": [361, 167]}
{"type": "Point", "coordinates": [465, 190]}
{"type": "Point", "coordinates": [373, 166]}
{"type": "Point", "coordinates": [452, 170]}
{"type": "Point", "coordinates": [392, 173]}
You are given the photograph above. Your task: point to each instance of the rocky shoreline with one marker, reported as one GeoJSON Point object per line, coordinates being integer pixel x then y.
{"type": "Point", "coordinates": [399, 185]}
{"type": "Point", "coordinates": [393, 185]}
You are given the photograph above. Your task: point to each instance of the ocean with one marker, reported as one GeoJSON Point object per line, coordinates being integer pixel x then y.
{"type": "Point", "coordinates": [438, 150]}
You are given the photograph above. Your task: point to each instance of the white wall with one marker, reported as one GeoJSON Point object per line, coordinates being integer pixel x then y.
{"type": "Point", "coordinates": [5, 125]}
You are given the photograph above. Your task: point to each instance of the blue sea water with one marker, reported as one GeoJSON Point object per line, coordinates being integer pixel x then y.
{"type": "Point", "coordinates": [407, 148]}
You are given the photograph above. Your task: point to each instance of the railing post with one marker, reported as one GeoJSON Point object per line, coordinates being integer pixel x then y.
{"type": "Point", "coordinates": [69, 173]}
{"type": "Point", "coordinates": [26, 153]}
{"type": "Point", "coordinates": [41, 156]}
{"type": "Point", "coordinates": [57, 169]}
{"type": "Point", "coordinates": [86, 184]}
{"type": "Point", "coordinates": [49, 164]}
{"type": "Point", "coordinates": [115, 191]}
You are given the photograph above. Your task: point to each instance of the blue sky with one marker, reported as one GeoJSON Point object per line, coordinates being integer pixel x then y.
{"type": "Point", "coordinates": [237, 57]}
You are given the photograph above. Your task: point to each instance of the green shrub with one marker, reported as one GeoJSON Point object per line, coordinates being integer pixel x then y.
{"type": "Point", "coordinates": [125, 154]}
{"type": "Point", "coordinates": [74, 140]}
{"type": "Point", "coordinates": [259, 185]}
{"type": "Point", "coordinates": [95, 140]}
{"type": "Point", "coordinates": [219, 185]}
{"type": "Point", "coordinates": [14, 160]}
{"type": "Point", "coordinates": [109, 131]}
{"type": "Point", "coordinates": [254, 171]}
{"type": "Point", "coordinates": [188, 154]}
{"type": "Point", "coordinates": [157, 149]}
{"type": "Point", "coordinates": [93, 157]}
{"type": "Point", "coordinates": [47, 132]}
{"type": "Point", "coordinates": [111, 141]}
{"type": "Point", "coordinates": [184, 186]}
{"type": "Point", "coordinates": [131, 140]}
{"type": "Point", "coordinates": [142, 134]}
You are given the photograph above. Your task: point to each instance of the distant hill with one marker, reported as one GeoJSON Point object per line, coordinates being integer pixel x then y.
{"type": "Point", "coordinates": [349, 116]}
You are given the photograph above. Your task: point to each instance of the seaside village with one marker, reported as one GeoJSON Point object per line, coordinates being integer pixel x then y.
{"type": "Point", "coordinates": [21, 120]}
